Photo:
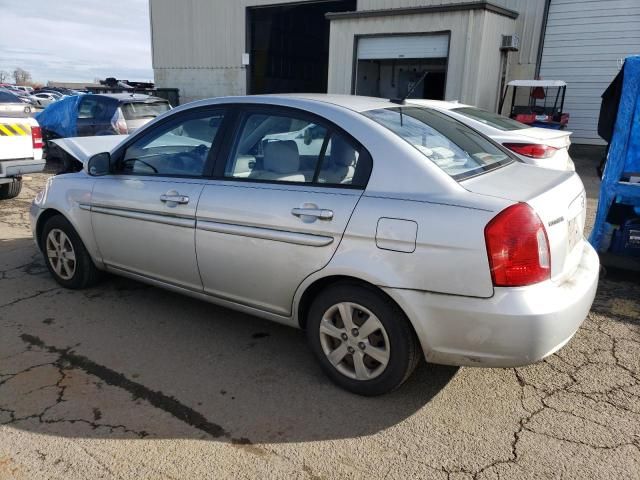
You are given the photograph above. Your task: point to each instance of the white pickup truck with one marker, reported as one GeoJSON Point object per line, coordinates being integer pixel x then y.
{"type": "Point", "coordinates": [20, 147]}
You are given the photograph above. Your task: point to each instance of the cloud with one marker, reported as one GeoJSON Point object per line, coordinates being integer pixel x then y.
{"type": "Point", "coordinates": [76, 40]}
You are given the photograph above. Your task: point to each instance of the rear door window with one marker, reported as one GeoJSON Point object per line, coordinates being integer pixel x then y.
{"type": "Point", "coordinates": [282, 147]}
{"type": "Point", "coordinates": [457, 149]}
{"type": "Point", "coordinates": [93, 108]}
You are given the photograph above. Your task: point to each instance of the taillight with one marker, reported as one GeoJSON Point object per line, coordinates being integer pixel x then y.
{"type": "Point", "coordinates": [119, 124]}
{"type": "Point", "coordinates": [532, 150]}
{"type": "Point", "coordinates": [518, 247]}
{"type": "Point", "coordinates": [36, 137]}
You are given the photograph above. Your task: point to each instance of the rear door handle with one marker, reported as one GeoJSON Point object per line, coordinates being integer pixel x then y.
{"type": "Point", "coordinates": [319, 213]}
{"type": "Point", "coordinates": [167, 198]}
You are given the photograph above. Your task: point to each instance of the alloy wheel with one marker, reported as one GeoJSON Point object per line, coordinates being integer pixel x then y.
{"type": "Point", "coordinates": [61, 254]}
{"type": "Point", "coordinates": [354, 341]}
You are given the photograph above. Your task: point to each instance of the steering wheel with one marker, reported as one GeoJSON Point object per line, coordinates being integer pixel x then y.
{"type": "Point", "coordinates": [192, 159]}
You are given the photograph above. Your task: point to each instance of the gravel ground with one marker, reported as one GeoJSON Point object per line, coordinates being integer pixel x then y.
{"type": "Point", "coordinates": [129, 381]}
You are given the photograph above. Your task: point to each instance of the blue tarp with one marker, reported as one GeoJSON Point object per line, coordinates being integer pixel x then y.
{"type": "Point", "coordinates": [624, 153]}
{"type": "Point", "coordinates": [61, 117]}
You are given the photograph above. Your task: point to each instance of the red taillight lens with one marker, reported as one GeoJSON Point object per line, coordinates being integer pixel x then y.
{"type": "Point", "coordinates": [532, 150]}
{"type": "Point", "coordinates": [119, 124]}
{"type": "Point", "coordinates": [518, 247]}
{"type": "Point", "coordinates": [36, 137]}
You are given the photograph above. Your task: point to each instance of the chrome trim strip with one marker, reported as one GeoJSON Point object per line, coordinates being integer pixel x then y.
{"type": "Point", "coordinates": [146, 217]}
{"type": "Point", "coordinates": [265, 233]}
{"type": "Point", "coordinates": [84, 206]}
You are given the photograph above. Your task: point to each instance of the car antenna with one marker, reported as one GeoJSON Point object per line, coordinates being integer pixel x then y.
{"type": "Point", "coordinates": [401, 101]}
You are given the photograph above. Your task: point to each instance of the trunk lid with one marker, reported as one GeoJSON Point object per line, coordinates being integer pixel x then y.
{"type": "Point", "coordinates": [559, 199]}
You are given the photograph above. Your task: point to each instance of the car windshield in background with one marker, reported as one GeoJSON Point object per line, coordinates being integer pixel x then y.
{"type": "Point", "coordinates": [135, 110]}
{"type": "Point", "coordinates": [455, 148]}
{"type": "Point", "coordinates": [492, 119]}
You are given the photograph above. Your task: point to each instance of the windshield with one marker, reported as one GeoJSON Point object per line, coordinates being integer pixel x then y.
{"type": "Point", "coordinates": [492, 119]}
{"type": "Point", "coordinates": [455, 148]}
{"type": "Point", "coordinates": [136, 110]}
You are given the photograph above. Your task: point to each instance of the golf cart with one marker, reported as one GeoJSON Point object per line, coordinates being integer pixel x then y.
{"type": "Point", "coordinates": [540, 107]}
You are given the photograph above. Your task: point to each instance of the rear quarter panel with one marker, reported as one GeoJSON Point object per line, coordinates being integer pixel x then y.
{"type": "Point", "coordinates": [449, 257]}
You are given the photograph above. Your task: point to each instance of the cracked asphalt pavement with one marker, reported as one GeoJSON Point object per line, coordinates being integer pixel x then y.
{"type": "Point", "coordinates": [129, 381]}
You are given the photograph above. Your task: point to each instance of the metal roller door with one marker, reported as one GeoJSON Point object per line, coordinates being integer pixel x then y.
{"type": "Point", "coordinates": [403, 46]}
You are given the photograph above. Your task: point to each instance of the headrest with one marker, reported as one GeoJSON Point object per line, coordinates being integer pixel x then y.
{"type": "Point", "coordinates": [281, 156]}
{"type": "Point", "coordinates": [342, 153]}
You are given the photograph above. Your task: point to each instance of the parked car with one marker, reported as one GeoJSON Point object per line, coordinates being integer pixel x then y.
{"type": "Point", "coordinates": [538, 146]}
{"type": "Point", "coordinates": [89, 115]}
{"type": "Point", "coordinates": [25, 89]}
{"type": "Point", "coordinates": [44, 99]}
{"type": "Point", "coordinates": [11, 96]}
{"type": "Point", "coordinates": [20, 147]}
{"type": "Point", "coordinates": [104, 114]}
{"type": "Point", "coordinates": [415, 236]}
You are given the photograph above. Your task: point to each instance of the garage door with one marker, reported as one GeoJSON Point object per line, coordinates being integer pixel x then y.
{"type": "Point", "coordinates": [403, 46]}
{"type": "Point", "coordinates": [584, 45]}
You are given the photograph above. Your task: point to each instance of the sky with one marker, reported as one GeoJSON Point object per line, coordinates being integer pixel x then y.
{"type": "Point", "coordinates": [76, 40]}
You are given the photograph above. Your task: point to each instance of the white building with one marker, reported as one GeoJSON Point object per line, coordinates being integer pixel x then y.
{"type": "Point", "coordinates": [210, 48]}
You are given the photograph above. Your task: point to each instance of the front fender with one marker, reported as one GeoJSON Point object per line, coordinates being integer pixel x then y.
{"type": "Point", "coordinates": [70, 196]}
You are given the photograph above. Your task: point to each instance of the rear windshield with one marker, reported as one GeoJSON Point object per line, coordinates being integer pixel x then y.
{"type": "Point", "coordinates": [492, 119]}
{"type": "Point", "coordinates": [136, 110]}
{"type": "Point", "coordinates": [457, 149]}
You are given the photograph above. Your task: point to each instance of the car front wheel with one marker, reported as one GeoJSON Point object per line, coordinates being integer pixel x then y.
{"type": "Point", "coordinates": [363, 341]}
{"type": "Point", "coordinates": [66, 256]}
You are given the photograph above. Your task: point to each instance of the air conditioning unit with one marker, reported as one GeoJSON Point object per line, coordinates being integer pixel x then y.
{"type": "Point", "coordinates": [510, 43]}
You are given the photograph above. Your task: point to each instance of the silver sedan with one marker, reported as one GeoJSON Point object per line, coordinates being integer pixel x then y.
{"type": "Point", "coordinates": [388, 232]}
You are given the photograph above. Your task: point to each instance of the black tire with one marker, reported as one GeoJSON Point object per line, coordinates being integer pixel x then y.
{"type": "Point", "coordinates": [404, 350]}
{"type": "Point", "coordinates": [10, 190]}
{"type": "Point", "coordinates": [85, 273]}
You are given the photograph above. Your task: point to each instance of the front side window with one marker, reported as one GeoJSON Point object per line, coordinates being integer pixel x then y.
{"type": "Point", "coordinates": [491, 119]}
{"type": "Point", "coordinates": [180, 148]}
{"type": "Point", "coordinates": [286, 148]}
{"type": "Point", "coordinates": [455, 148]}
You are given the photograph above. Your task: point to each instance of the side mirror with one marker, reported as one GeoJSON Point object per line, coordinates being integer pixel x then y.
{"type": "Point", "coordinates": [99, 164]}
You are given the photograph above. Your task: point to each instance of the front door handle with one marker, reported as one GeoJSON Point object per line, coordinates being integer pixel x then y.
{"type": "Point", "coordinates": [319, 213]}
{"type": "Point", "coordinates": [174, 198]}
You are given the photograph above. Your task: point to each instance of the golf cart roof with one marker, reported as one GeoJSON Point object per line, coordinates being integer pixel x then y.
{"type": "Point", "coordinates": [536, 83]}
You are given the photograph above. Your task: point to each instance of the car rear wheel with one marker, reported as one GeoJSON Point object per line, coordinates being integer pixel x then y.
{"type": "Point", "coordinates": [66, 256]}
{"type": "Point", "coordinates": [10, 190]}
{"type": "Point", "coordinates": [363, 341]}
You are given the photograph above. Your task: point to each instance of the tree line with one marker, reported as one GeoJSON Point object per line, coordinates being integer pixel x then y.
{"type": "Point", "coordinates": [19, 76]}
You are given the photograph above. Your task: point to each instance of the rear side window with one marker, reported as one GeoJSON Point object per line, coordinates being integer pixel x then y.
{"type": "Point", "coordinates": [457, 149]}
{"type": "Point", "coordinates": [139, 110]}
{"type": "Point", "coordinates": [94, 108]}
{"type": "Point", "coordinates": [492, 119]}
{"type": "Point", "coordinates": [290, 148]}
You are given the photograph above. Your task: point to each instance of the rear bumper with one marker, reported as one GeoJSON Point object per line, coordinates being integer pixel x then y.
{"type": "Point", "coordinates": [517, 326]}
{"type": "Point", "coordinates": [20, 166]}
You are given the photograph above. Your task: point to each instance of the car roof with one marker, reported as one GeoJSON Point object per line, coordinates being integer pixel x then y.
{"type": "Point", "coordinates": [355, 103]}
